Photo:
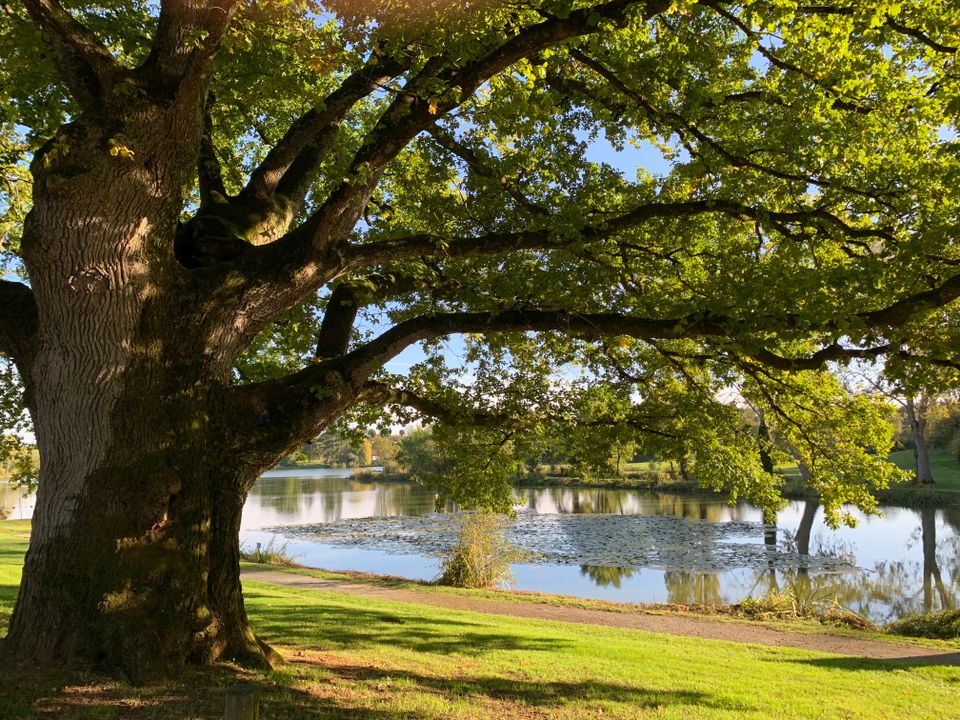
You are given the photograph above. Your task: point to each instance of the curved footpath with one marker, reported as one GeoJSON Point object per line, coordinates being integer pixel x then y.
{"type": "Point", "coordinates": [686, 625]}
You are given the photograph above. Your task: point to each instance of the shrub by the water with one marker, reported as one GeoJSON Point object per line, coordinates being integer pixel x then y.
{"type": "Point", "coordinates": [943, 625]}
{"type": "Point", "coordinates": [272, 554]}
{"type": "Point", "coordinates": [482, 556]}
{"type": "Point", "coordinates": [802, 603]}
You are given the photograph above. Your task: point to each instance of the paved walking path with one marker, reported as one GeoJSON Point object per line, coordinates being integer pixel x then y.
{"type": "Point", "coordinates": [688, 626]}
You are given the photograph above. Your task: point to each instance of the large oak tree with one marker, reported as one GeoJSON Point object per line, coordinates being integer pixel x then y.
{"type": "Point", "coordinates": [197, 191]}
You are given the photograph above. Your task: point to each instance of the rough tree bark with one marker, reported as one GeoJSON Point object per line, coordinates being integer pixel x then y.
{"type": "Point", "coordinates": [129, 565]}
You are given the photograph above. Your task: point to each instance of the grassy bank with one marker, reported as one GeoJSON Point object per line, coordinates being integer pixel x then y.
{"type": "Point", "coordinates": [353, 657]}
{"type": "Point", "coordinates": [663, 477]}
{"type": "Point", "coordinates": [659, 477]}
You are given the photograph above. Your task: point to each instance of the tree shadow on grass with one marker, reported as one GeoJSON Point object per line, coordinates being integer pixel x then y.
{"type": "Point", "coordinates": [324, 639]}
{"type": "Point", "coordinates": [545, 696]}
{"type": "Point", "coordinates": [861, 663]}
{"type": "Point", "coordinates": [339, 627]}
{"type": "Point", "coordinates": [342, 692]}
{"type": "Point", "coordinates": [34, 692]}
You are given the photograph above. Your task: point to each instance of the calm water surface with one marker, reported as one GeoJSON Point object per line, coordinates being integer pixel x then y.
{"type": "Point", "coordinates": [680, 549]}
{"type": "Point", "coordinates": [905, 561]}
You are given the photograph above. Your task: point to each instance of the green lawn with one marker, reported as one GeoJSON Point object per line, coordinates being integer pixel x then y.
{"type": "Point", "coordinates": [944, 465]}
{"type": "Point", "coordinates": [353, 657]}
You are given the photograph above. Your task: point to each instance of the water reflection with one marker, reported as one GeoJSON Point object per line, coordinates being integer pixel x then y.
{"type": "Point", "coordinates": [693, 588]}
{"type": "Point", "coordinates": [909, 559]}
{"type": "Point", "coordinates": [15, 503]}
{"type": "Point", "coordinates": [605, 575]}
{"type": "Point", "coordinates": [329, 495]}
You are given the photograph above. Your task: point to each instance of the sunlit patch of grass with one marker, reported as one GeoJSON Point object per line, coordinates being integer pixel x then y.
{"type": "Point", "coordinates": [943, 465]}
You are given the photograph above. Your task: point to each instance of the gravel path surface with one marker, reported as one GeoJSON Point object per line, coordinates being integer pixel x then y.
{"type": "Point", "coordinates": [669, 624]}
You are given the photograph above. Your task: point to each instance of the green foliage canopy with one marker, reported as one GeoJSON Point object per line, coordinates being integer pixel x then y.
{"type": "Point", "coordinates": [803, 209]}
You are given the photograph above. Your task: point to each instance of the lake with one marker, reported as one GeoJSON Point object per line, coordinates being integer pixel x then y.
{"type": "Point", "coordinates": [625, 545]}
{"type": "Point", "coordinates": [622, 545]}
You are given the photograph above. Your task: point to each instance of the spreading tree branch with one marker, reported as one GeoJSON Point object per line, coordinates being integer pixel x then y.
{"type": "Point", "coordinates": [289, 166]}
{"type": "Point", "coordinates": [424, 245]}
{"type": "Point", "coordinates": [815, 361]}
{"type": "Point", "coordinates": [311, 252]}
{"type": "Point", "coordinates": [346, 301]}
{"type": "Point", "coordinates": [482, 169]}
{"type": "Point", "coordinates": [384, 394]}
{"type": "Point", "coordinates": [293, 406]}
{"type": "Point", "coordinates": [900, 312]}
{"type": "Point", "coordinates": [365, 359]}
{"type": "Point", "coordinates": [209, 170]}
{"type": "Point", "coordinates": [920, 36]}
{"type": "Point", "coordinates": [337, 326]}
{"type": "Point", "coordinates": [189, 33]}
{"type": "Point", "coordinates": [83, 61]}
{"type": "Point", "coordinates": [681, 125]}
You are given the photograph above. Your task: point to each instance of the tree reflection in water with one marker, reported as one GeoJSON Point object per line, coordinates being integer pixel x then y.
{"type": "Point", "coordinates": [891, 588]}
{"type": "Point", "coordinates": [692, 588]}
{"type": "Point", "coordinates": [923, 575]}
{"type": "Point", "coordinates": [605, 575]}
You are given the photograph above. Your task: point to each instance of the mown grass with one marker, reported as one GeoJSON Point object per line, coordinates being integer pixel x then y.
{"type": "Point", "coordinates": [14, 536]}
{"type": "Point", "coordinates": [356, 657]}
{"type": "Point", "coordinates": [943, 465]}
{"type": "Point", "coordinates": [833, 622]}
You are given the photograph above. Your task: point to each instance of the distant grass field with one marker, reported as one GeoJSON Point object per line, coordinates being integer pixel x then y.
{"type": "Point", "coordinates": [355, 657]}
{"type": "Point", "coordinates": [944, 466]}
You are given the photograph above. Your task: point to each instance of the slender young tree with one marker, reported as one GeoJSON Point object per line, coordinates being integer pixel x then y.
{"type": "Point", "coordinates": [229, 216]}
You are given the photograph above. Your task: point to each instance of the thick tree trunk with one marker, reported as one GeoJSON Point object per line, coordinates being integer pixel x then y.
{"type": "Point", "coordinates": [229, 634]}
{"type": "Point", "coordinates": [137, 568]}
{"type": "Point", "coordinates": [133, 559]}
{"type": "Point", "coordinates": [917, 417]}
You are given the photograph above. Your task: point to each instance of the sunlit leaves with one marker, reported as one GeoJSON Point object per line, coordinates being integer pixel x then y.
{"type": "Point", "coordinates": [821, 143]}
